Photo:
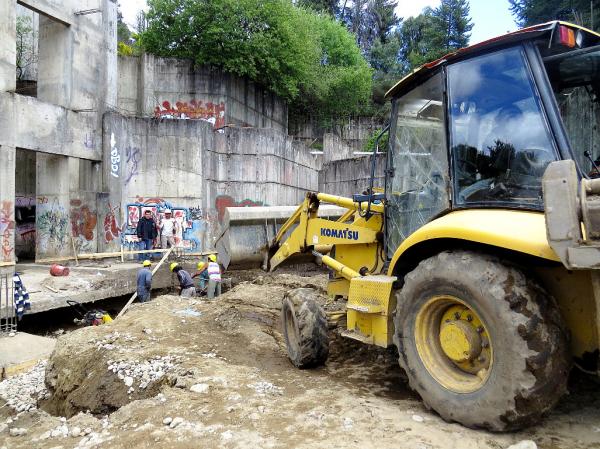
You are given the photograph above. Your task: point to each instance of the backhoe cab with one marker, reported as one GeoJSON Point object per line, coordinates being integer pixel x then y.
{"type": "Point", "coordinates": [479, 254]}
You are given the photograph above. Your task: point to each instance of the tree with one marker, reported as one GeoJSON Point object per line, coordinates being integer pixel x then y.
{"type": "Point", "coordinates": [26, 52]}
{"type": "Point", "coordinates": [435, 32]}
{"type": "Point", "coordinates": [330, 7]}
{"type": "Point", "coordinates": [304, 57]}
{"type": "Point", "coordinates": [123, 32]}
{"type": "Point", "coordinates": [531, 12]}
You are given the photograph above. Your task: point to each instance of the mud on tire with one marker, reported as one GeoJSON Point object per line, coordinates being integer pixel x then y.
{"type": "Point", "coordinates": [530, 363]}
{"type": "Point", "coordinates": [304, 328]}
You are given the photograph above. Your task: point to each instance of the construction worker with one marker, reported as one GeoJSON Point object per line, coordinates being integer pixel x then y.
{"type": "Point", "coordinates": [186, 284]}
{"type": "Point", "coordinates": [202, 274]}
{"type": "Point", "coordinates": [168, 230]}
{"type": "Point", "coordinates": [214, 277]}
{"type": "Point", "coordinates": [144, 281]}
{"type": "Point", "coordinates": [146, 233]}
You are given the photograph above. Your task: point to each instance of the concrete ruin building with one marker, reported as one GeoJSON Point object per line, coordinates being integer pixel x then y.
{"type": "Point", "coordinates": [96, 139]}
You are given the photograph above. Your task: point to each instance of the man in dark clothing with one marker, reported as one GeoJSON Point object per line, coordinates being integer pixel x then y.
{"type": "Point", "coordinates": [144, 282]}
{"type": "Point", "coordinates": [186, 284]}
{"type": "Point", "coordinates": [146, 232]}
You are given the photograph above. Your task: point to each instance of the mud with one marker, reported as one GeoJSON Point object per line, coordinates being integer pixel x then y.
{"type": "Point", "coordinates": [225, 381]}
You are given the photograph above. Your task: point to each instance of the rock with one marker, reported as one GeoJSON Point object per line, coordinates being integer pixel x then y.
{"type": "Point", "coordinates": [525, 444]}
{"type": "Point", "coordinates": [348, 423]}
{"type": "Point", "coordinates": [418, 418]}
{"type": "Point", "coordinates": [87, 431]}
{"type": "Point", "coordinates": [75, 431]}
{"type": "Point", "coordinates": [44, 436]}
{"type": "Point", "coordinates": [168, 420]}
{"type": "Point", "coordinates": [55, 433]}
{"type": "Point", "coordinates": [200, 388]}
{"type": "Point", "coordinates": [3, 427]}
{"type": "Point", "coordinates": [17, 431]}
{"type": "Point", "coordinates": [178, 420]}
{"type": "Point", "coordinates": [128, 381]}
{"type": "Point", "coordinates": [227, 435]}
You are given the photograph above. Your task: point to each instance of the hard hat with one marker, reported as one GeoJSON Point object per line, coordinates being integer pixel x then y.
{"type": "Point", "coordinates": [212, 257]}
{"type": "Point", "coordinates": [201, 265]}
{"type": "Point", "coordinates": [167, 211]}
{"type": "Point", "coordinates": [173, 265]}
{"type": "Point", "coordinates": [146, 263]}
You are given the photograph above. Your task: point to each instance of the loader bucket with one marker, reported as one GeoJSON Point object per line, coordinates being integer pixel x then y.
{"type": "Point", "coordinates": [247, 232]}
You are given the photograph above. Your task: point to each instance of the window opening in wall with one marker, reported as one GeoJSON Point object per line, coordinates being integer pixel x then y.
{"type": "Point", "coordinates": [27, 38]}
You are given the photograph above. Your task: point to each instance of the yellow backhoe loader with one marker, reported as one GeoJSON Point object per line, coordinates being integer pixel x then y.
{"type": "Point", "coordinates": [478, 255]}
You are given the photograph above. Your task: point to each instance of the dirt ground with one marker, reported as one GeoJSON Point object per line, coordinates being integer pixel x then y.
{"type": "Point", "coordinates": [177, 373]}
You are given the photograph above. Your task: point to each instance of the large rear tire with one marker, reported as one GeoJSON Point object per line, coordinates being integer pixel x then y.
{"type": "Point", "coordinates": [304, 328]}
{"type": "Point", "coordinates": [482, 344]}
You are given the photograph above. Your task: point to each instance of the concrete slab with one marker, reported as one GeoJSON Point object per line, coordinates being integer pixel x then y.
{"type": "Point", "coordinates": [21, 352]}
{"type": "Point", "coordinates": [86, 283]}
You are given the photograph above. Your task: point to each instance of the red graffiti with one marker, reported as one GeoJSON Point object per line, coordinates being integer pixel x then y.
{"type": "Point", "coordinates": [83, 220]}
{"type": "Point", "coordinates": [7, 225]}
{"type": "Point", "coordinates": [210, 112]}
{"type": "Point", "coordinates": [141, 200]}
{"type": "Point", "coordinates": [111, 228]}
{"type": "Point", "coordinates": [224, 201]}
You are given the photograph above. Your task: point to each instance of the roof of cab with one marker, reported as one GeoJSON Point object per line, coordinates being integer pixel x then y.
{"type": "Point", "coordinates": [519, 35]}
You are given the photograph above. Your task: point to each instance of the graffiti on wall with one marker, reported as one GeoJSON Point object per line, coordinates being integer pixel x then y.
{"type": "Point", "coordinates": [133, 158]}
{"type": "Point", "coordinates": [189, 231]}
{"type": "Point", "coordinates": [210, 112]}
{"type": "Point", "coordinates": [115, 157]}
{"type": "Point", "coordinates": [52, 225]}
{"type": "Point", "coordinates": [112, 229]}
{"type": "Point", "coordinates": [224, 201]}
{"type": "Point", "coordinates": [7, 226]}
{"type": "Point", "coordinates": [83, 225]}
{"type": "Point", "coordinates": [25, 201]}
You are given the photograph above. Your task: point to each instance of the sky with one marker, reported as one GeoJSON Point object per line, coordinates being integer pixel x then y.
{"type": "Point", "coordinates": [491, 17]}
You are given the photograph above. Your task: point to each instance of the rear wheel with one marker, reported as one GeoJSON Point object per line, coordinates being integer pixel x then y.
{"type": "Point", "coordinates": [482, 344]}
{"type": "Point", "coordinates": [304, 328]}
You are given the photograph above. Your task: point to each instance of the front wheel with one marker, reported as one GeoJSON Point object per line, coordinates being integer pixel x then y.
{"type": "Point", "coordinates": [482, 344]}
{"type": "Point", "coordinates": [305, 329]}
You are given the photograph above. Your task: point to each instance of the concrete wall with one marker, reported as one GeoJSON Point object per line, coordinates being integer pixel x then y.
{"type": "Point", "coordinates": [175, 88]}
{"type": "Point", "coordinates": [77, 79]}
{"type": "Point", "coordinates": [186, 166]}
{"type": "Point", "coordinates": [354, 132]}
{"type": "Point", "coordinates": [349, 176]}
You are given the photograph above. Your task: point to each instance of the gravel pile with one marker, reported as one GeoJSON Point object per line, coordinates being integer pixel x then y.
{"type": "Point", "coordinates": [24, 390]}
{"type": "Point", "coordinates": [266, 388]}
{"type": "Point", "coordinates": [109, 341]}
{"type": "Point", "coordinates": [144, 373]}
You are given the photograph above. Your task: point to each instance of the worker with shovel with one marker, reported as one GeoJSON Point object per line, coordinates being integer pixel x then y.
{"type": "Point", "coordinates": [214, 277]}
{"type": "Point", "coordinates": [202, 274]}
{"type": "Point", "coordinates": [186, 284]}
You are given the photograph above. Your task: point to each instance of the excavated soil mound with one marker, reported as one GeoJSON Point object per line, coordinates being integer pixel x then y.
{"type": "Point", "coordinates": [179, 373]}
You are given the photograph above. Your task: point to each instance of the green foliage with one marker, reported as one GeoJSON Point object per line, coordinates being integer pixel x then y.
{"type": "Point", "coordinates": [123, 32]}
{"type": "Point", "coordinates": [304, 57]}
{"type": "Point", "coordinates": [330, 7]}
{"type": "Point", "coordinates": [124, 50]}
{"type": "Point", "coordinates": [531, 12]}
{"type": "Point", "coordinates": [370, 143]}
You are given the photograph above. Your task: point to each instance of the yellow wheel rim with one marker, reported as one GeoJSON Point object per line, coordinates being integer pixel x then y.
{"type": "Point", "coordinates": [453, 344]}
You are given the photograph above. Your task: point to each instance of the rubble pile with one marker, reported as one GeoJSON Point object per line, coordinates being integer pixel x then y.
{"type": "Point", "coordinates": [22, 391]}
{"type": "Point", "coordinates": [145, 372]}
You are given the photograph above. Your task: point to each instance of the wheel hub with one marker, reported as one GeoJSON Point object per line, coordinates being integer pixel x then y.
{"type": "Point", "coordinates": [460, 340]}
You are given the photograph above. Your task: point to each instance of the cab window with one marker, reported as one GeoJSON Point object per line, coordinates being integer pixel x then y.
{"type": "Point", "coordinates": [500, 140]}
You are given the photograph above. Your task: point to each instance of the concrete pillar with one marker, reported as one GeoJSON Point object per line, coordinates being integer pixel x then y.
{"type": "Point", "coordinates": [55, 64]}
{"type": "Point", "coordinates": [8, 46]}
{"type": "Point", "coordinates": [146, 85]}
{"type": "Point", "coordinates": [53, 235]}
{"type": "Point", "coordinates": [109, 24]}
{"type": "Point", "coordinates": [7, 203]}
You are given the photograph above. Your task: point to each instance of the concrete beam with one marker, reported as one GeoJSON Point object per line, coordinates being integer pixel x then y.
{"type": "Point", "coordinates": [8, 58]}
{"type": "Point", "coordinates": [52, 9]}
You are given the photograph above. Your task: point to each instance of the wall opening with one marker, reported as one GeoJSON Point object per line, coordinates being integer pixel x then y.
{"type": "Point", "coordinates": [27, 50]}
{"type": "Point", "coordinates": [25, 204]}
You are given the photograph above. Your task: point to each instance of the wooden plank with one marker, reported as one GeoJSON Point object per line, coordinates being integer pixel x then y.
{"type": "Point", "coordinates": [126, 306]}
{"type": "Point", "coordinates": [74, 251]}
{"type": "Point", "coordinates": [7, 264]}
{"type": "Point", "coordinates": [100, 255]}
